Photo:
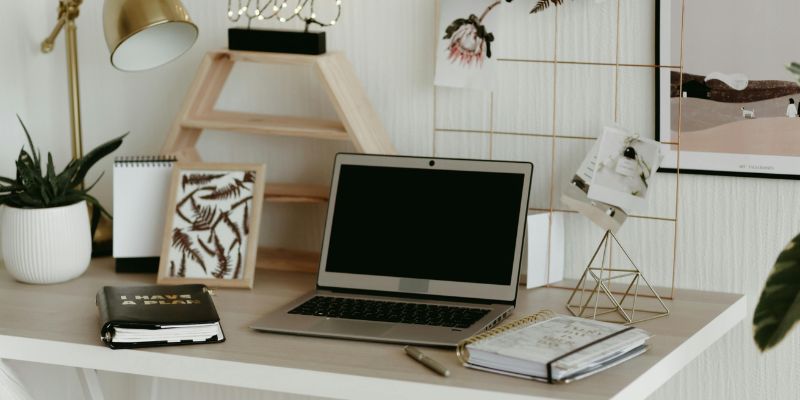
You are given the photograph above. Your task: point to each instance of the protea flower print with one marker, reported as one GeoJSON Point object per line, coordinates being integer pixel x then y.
{"type": "Point", "coordinates": [469, 41]}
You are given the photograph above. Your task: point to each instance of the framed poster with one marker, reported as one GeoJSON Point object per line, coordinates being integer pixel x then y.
{"type": "Point", "coordinates": [212, 222]}
{"type": "Point", "coordinates": [735, 103]}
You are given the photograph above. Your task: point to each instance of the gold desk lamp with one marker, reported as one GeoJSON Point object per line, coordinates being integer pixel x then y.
{"type": "Point", "coordinates": [141, 34]}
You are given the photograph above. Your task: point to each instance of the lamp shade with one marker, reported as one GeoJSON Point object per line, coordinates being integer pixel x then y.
{"type": "Point", "coordinates": [144, 34]}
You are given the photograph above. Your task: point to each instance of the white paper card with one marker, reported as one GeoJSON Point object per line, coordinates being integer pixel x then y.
{"type": "Point", "coordinates": [541, 270]}
{"type": "Point", "coordinates": [140, 198]}
{"type": "Point", "coordinates": [464, 57]}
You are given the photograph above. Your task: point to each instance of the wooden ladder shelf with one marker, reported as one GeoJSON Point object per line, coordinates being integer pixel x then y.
{"type": "Point", "coordinates": [358, 122]}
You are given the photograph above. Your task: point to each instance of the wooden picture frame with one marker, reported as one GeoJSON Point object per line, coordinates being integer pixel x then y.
{"type": "Point", "coordinates": [212, 225]}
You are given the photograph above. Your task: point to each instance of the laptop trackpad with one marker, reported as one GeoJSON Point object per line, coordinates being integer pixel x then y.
{"type": "Point", "coordinates": [351, 327]}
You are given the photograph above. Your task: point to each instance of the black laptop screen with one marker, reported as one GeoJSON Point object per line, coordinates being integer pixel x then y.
{"type": "Point", "coordinates": [425, 224]}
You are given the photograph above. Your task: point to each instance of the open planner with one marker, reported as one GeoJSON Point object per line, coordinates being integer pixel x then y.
{"type": "Point", "coordinates": [141, 185]}
{"type": "Point", "coordinates": [553, 348]}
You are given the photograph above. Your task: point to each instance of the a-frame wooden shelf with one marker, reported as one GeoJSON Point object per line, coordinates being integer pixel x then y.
{"type": "Point", "coordinates": [257, 124]}
{"type": "Point", "coordinates": [358, 123]}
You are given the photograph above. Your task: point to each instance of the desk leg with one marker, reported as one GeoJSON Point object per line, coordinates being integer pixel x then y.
{"type": "Point", "coordinates": [10, 386]}
{"type": "Point", "coordinates": [154, 383]}
{"type": "Point", "coordinates": [90, 384]}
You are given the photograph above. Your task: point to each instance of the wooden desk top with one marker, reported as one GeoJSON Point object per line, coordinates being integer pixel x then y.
{"type": "Point", "coordinates": [59, 324]}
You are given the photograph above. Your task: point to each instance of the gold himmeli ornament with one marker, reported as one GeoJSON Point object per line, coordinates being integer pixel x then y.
{"type": "Point", "coordinates": [594, 297]}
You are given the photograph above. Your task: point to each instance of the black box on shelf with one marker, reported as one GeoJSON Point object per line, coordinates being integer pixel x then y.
{"type": "Point", "coordinates": [276, 41]}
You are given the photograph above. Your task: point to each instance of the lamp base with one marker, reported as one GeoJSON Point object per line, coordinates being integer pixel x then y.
{"type": "Point", "coordinates": [273, 41]}
{"type": "Point", "coordinates": [102, 242]}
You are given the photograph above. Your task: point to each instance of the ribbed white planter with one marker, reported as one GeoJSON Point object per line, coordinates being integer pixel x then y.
{"type": "Point", "coordinates": [47, 245]}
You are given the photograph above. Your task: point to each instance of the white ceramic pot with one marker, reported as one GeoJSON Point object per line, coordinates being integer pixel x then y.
{"type": "Point", "coordinates": [47, 245]}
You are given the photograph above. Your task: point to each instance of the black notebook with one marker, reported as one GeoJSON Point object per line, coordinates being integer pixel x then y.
{"type": "Point", "coordinates": [143, 316]}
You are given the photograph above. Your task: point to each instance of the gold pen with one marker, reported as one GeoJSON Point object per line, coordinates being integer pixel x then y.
{"type": "Point", "coordinates": [432, 364]}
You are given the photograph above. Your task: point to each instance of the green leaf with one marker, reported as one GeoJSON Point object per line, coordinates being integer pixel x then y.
{"type": "Point", "coordinates": [96, 205]}
{"type": "Point", "coordinates": [778, 308]}
{"type": "Point", "coordinates": [95, 182]}
{"type": "Point", "coordinates": [51, 174]}
{"type": "Point", "coordinates": [28, 201]}
{"type": "Point", "coordinates": [36, 160]}
{"type": "Point", "coordinates": [65, 177]}
{"type": "Point", "coordinates": [9, 189]}
{"type": "Point", "coordinates": [94, 156]}
{"type": "Point", "coordinates": [794, 68]}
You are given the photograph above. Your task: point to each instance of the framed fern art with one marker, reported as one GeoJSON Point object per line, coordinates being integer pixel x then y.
{"type": "Point", "coordinates": [211, 228]}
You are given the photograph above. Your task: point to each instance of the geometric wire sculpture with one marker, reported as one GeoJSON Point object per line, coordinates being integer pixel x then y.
{"type": "Point", "coordinates": [613, 309]}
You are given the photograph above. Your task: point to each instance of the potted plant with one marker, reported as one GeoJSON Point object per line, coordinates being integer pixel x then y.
{"type": "Point", "coordinates": [46, 235]}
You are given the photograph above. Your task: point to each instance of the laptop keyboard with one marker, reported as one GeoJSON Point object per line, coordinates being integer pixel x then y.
{"type": "Point", "coordinates": [388, 311]}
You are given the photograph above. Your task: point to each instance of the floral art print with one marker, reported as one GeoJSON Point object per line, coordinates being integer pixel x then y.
{"type": "Point", "coordinates": [464, 53]}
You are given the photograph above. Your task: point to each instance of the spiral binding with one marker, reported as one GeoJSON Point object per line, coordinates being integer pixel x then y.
{"type": "Point", "coordinates": [145, 161]}
{"type": "Point", "coordinates": [463, 354]}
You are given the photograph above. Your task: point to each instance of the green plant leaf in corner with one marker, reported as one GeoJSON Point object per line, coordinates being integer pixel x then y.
{"type": "Point", "coordinates": [794, 68]}
{"type": "Point", "coordinates": [778, 308]}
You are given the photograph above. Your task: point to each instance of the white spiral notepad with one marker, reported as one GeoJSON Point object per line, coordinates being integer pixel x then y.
{"type": "Point", "coordinates": [141, 185]}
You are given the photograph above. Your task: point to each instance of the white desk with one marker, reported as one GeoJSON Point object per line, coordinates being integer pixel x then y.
{"type": "Point", "coordinates": [59, 324]}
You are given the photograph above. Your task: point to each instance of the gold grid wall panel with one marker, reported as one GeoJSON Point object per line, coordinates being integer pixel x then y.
{"type": "Point", "coordinates": [539, 113]}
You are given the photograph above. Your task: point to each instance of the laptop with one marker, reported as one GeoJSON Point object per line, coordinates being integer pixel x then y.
{"type": "Point", "coordinates": [415, 251]}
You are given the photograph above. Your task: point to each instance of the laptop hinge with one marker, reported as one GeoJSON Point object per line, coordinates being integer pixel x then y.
{"type": "Point", "coordinates": [415, 296]}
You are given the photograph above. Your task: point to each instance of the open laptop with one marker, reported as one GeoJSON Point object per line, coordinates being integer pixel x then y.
{"type": "Point", "coordinates": [416, 250]}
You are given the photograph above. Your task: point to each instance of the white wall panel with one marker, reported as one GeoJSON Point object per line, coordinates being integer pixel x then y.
{"type": "Point", "coordinates": [587, 31]}
{"type": "Point", "coordinates": [636, 112]}
{"type": "Point", "coordinates": [462, 145]}
{"type": "Point", "coordinates": [584, 99]}
{"type": "Point", "coordinates": [637, 31]}
{"type": "Point", "coordinates": [462, 109]}
{"type": "Point", "coordinates": [523, 102]}
{"type": "Point", "coordinates": [523, 35]}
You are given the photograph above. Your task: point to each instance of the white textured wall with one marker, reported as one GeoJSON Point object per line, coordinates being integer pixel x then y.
{"type": "Point", "coordinates": [729, 229]}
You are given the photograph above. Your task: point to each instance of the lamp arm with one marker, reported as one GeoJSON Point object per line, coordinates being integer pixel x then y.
{"type": "Point", "coordinates": [68, 10]}
{"type": "Point", "coordinates": [48, 43]}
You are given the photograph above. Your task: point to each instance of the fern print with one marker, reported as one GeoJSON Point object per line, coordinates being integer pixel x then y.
{"type": "Point", "coordinates": [238, 270]}
{"type": "Point", "coordinates": [246, 221]}
{"type": "Point", "coordinates": [183, 242]}
{"type": "Point", "coordinates": [182, 270]}
{"type": "Point", "coordinates": [223, 260]}
{"type": "Point", "coordinates": [232, 190]}
{"type": "Point", "coordinates": [542, 5]}
{"type": "Point", "coordinates": [211, 225]}
{"type": "Point", "coordinates": [203, 216]}
{"type": "Point", "coordinates": [199, 179]}
{"type": "Point", "coordinates": [207, 249]}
